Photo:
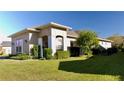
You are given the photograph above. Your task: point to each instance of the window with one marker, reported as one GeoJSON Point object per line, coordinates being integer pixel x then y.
{"type": "Point", "coordinates": [19, 49]}
{"type": "Point", "coordinates": [59, 43]}
{"type": "Point", "coordinates": [19, 44]}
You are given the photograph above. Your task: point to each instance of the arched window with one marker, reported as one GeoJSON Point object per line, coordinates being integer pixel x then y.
{"type": "Point", "coordinates": [59, 43]}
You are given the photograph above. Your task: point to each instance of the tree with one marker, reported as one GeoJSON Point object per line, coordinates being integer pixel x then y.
{"type": "Point", "coordinates": [87, 40]}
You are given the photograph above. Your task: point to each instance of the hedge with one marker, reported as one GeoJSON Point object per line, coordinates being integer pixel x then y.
{"type": "Point", "coordinates": [122, 50]}
{"type": "Point", "coordinates": [108, 51]}
{"type": "Point", "coordinates": [48, 53]}
{"type": "Point", "coordinates": [62, 54]}
{"type": "Point", "coordinates": [35, 51]}
{"type": "Point", "coordinates": [21, 57]}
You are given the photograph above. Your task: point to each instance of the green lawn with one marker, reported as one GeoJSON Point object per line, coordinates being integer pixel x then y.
{"type": "Point", "coordinates": [80, 68]}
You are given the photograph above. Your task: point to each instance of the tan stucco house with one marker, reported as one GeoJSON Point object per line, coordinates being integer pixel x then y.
{"type": "Point", "coordinates": [51, 35]}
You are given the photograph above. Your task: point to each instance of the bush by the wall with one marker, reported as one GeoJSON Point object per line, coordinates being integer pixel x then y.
{"type": "Point", "coordinates": [39, 51]}
{"type": "Point", "coordinates": [112, 50]}
{"type": "Point", "coordinates": [21, 57]}
{"type": "Point", "coordinates": [122, 50]}
{"type": "Point", "coordinates": [48, 53]}
{"type": "Point", "coordinates": [108, 51]}
{"type": "Point", "coordinates": [96, 51]}
{"type": "Point", "coordinates": [11, 55]}
{"type": "Point", "coordinates": [35, 51]}
{"type": "Point", "coordinates": [62, 54]}
{"type": "Point", "coordinates": [99, 51]}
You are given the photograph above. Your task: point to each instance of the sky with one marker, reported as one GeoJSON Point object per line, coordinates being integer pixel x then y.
{"type": "Point", "coordinates": [104, 23]}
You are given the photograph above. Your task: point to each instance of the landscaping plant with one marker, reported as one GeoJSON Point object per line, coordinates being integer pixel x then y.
{"type": "Point", "coordinates": [87, 40]}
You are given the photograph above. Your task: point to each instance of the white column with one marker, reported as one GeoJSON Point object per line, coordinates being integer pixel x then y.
{"type": "Point", "coordinates": [65, 43]}
{"type": "Point", "coordinates": [52, 44]}
{"type": "Point", "coordinates": [40, 42]}
{"type": "Point", "coordinates": [30, 47]}
{"type": "Point", "coordinates": [22, 46]}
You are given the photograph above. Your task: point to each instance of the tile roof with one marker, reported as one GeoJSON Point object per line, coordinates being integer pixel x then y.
{"type": "Point", "coordinates": [72, 34]}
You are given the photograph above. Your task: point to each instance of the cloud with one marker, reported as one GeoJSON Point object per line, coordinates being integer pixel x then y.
{"type": "Point", "coordinates": [4, 37]}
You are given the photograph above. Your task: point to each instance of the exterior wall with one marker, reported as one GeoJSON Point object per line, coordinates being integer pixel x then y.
{"type": "Point", "coordinates": [52, 39]}
{"type": "Point", "coordinates": [105, 45]}
{"type": "Point", "coordinates": [69, 41]}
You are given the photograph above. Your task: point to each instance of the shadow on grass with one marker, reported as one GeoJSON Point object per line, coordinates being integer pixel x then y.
{"type": "Point", "coordinates": [104, 65]}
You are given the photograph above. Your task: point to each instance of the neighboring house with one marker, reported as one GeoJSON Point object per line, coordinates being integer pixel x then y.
{"type": "Point", "coordinates": [1, 52]}
{"type": "Point", "coordinates": [105, 43]}
{"type": "Point", "coordinates": [52, 35]}
{"type": "Point", "coordinates": [5, 47]}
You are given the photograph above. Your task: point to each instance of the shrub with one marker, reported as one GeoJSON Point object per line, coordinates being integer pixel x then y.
{"type": "Point", "coordinates": [48, 53]}
{"type": "Point", "coordinates": [21, 57]}
{"type": "Point", "coordinates": [109, 51]}
{"type": "Point", "coordinates": [74, 51]}
{"type": "Point", "coordinates": [99, 51]}
{"type": "Point", "coordinates": [62, 54]}
{"type": "Point", "coordinates": [35, 51]}
{"type": "Point", "coordinates": [112, 50]}
{"type": "Point", "coordinates": [122, 50]}
{"type": "Point", "coordinates": [96, 51]}
{"type": "Point", "coordinates": [11, 55]}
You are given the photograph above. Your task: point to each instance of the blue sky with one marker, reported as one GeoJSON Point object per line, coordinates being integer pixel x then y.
{"type": "Point", "coordinates": [104, 23]}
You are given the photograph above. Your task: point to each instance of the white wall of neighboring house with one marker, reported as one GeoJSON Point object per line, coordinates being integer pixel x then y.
{"type": "Point", "coordinates": [105, 44]}
{"type": "Point", "coordinates": [7, 50]}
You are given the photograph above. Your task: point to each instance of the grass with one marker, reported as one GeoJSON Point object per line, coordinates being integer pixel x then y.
{"type": "Point", "coordinates": [79, 68]}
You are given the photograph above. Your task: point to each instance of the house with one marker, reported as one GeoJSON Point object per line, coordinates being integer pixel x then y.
{"type": "Point", "coordinates": [5, 47]}
{"type": "Point", "coordinates": [105, 43]}
{"type": "Point", "coordinates": [51, 35]}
